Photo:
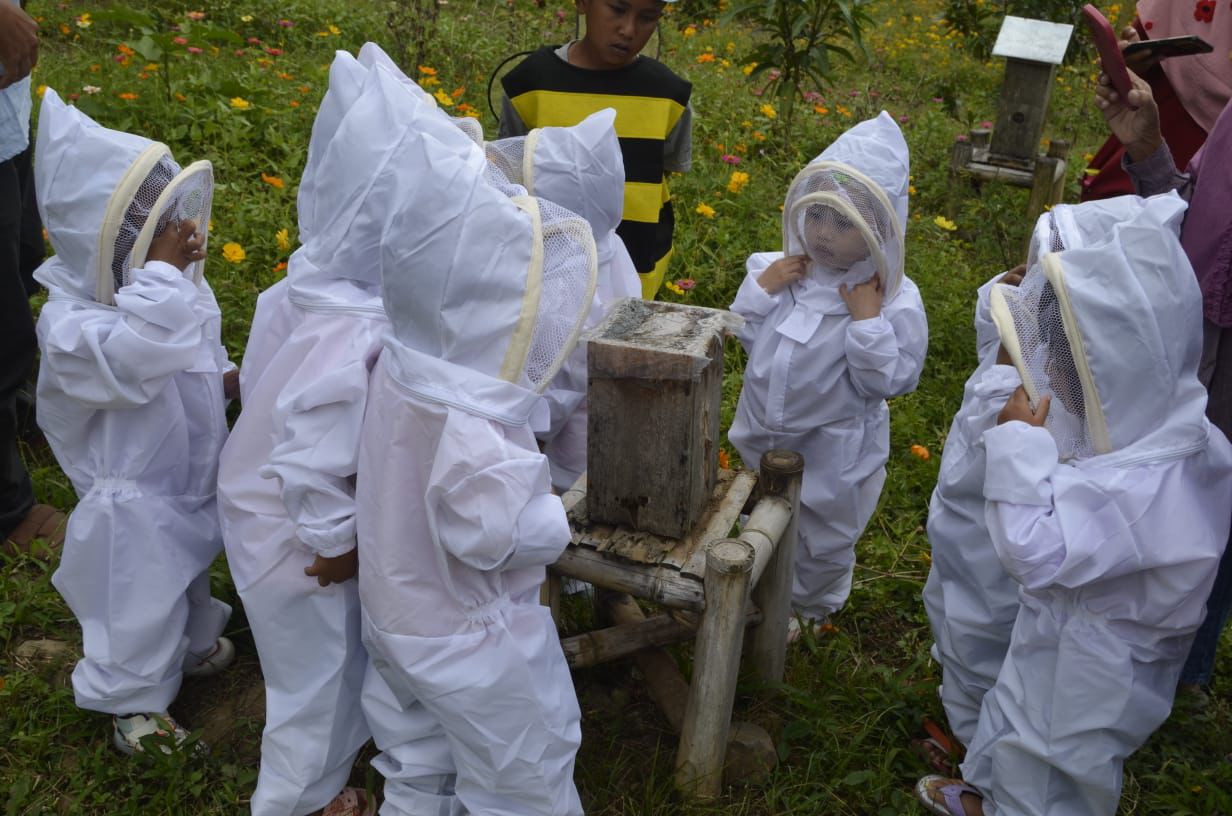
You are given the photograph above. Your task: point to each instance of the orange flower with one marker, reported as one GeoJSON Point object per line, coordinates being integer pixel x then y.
{"type": "Point", "coordinates": [920, 452]}
{"type": "Point", "coordinates": [705, 57]}
{"type": "Point", "coordinates": [458, 92]}
{"type": "Point", "coordinates": [294, 103]}
{"type": "Point", "coordinates": [125, 50]}
{"type": "Point", "coordinates": [273, 181]}
{"type": "Point", "coordinates": [280, 266]}
{"type": "Point", "coordinates": [129, 95]}
{"type": "Point", "coordinates": [724, 460]}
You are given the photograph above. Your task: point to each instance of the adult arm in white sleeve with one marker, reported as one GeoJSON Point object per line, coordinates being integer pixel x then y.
{"type": "Point", "coordinates": [753, 302]}
{"type": "Point", "coordinates": [885, 354]}
{"type": "Point", "coordinates": [124, 357]}
{"type": "Point", "coordinates": [316, 455]}
{"type": "Point", "coordinates": [499, 516]}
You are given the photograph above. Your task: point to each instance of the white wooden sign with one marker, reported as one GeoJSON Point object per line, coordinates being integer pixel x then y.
{"type": "Point", "coordinates": [1033, 40]}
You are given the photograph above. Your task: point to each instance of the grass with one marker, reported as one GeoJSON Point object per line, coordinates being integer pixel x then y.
{"type": "Point", "coordinates": [853, 700]}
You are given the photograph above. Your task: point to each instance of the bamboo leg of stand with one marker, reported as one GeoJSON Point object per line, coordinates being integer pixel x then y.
{"type": "Point", "coordinates": [716, 664]}
{"type": "Point", "coordinates": [781, 475]}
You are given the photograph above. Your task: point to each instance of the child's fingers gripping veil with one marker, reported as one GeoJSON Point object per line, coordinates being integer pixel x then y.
{"type": "Point", "coordinates": [178, 245]}
{"type": "Point", "coordinates": [864, 299]}
{"type": "Point", "coordinates": [783, 273]}
{"type": "Point", "coordinates": [1018, 407]}
{"type": "Point", "coordinates": [1014, 276]}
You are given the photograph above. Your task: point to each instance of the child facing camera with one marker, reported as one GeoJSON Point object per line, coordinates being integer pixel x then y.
{"type": "Point", "coordinates": [833, 328]}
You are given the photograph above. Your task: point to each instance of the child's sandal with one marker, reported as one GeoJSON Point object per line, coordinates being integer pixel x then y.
{"type": "Point", "coordinates": [942, 795]}
{"type": "Point", "coordinates": [351, 802]}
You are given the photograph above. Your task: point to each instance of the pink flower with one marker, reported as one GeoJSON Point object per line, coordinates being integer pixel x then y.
{"type": "Point", "coordinates": [274, 52]}
{"type": "Point", "coordinates": [120, 58]}
{"type": "Point", "coordinates": [286, 24]}
{"type": "Point", "coordinates": [903, 119]}
{"type": "Point", "coordinates": [938, 99]}
{"type": "Point", "coordinates": [813, 97]}
{"type": "Point", "coordinates": [180, 40]}
{"type": "Point", "coordinates": [560, 16]}
{"type": "Point", "coordinates": [196, 15]}
{"type": "Point", "coordinates": [874, 94]}
{"type": "Point", "coordinates": [239, 52]}
{"type": "Point", "coordinates": [192, 49]}
{"type": "Point", "coordinates": [985, 124]}
{"type": "Point", "coordinates": [774, 73]}
{"type": "Point", "coordinates": [962, 137]}
{"type": "Point", "coordinates": [853, 93]}
{"type": "Point", "coordinates": [254, 41]}
{"type": "Point", "coordinates": [686, 283]}
{"type": "Point", "coordinates": [730, 159]}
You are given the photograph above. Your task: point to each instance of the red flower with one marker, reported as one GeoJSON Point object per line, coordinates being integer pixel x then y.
{"type": "Point", "coordinates": [274, 52]}
{"type": "Point", "coordinates": [1204, 11]}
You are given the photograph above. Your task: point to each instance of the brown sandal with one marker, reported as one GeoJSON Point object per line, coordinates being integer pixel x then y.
{"type": "Point", "coordinates": [42, 522]}
{"type": "Point", "coordinates": [351, 802]}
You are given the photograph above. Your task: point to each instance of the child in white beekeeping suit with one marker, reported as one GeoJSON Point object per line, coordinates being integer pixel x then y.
{"type": "Point", "coordinates": [486, 296]}
{"type": "Point", "coordinates": [286, 475]}
{"type": "Point", "coordinates": [970, 599]}
{"type": "Point", "coordinates": [581, 169]}
{"type": "Point", "coordinates": [833, 328]}
{"type": "Point", "coordinates": [1104, 483]}
{"type": "Point", "coordinates": [131, 400]}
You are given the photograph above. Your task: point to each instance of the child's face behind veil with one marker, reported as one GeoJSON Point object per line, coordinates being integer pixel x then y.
{"type": "Point", "coordinates": [616, 31]}
{"type": "Point", "coordinates": [831, 240]}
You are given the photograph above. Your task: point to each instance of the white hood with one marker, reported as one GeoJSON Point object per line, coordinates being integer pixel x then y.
{"type": "Point", "coordinates": [371, 55]}
{"type": "Point", "coordinates": [466, 275]}
{"type": "Point", "coordinates": [346, 81]}
{"type": "Point", "coordinates": [1130, 309]}
{"type": "Point", "coordinates": [86, 177]}
{"type": "Point", "coordinates": [860, 181]}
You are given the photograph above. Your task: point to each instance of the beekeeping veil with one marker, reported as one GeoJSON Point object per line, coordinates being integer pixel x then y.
{"type": "Point", "coordinates": [371, 54]}
{"type": "Point", "coordinates": [104, 196]}
{"type": "Point", "coordinates": [1110, 327]}
{"type": "Point", "coordinates": [484, 293]}
{"type": "Point", "coordinates": [847, 210]}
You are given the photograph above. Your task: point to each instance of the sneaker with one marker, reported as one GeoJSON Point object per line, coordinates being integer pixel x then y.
{"type": "Point", "coordinates": [128, 731]}
{"type": "Point", "coordinates": [212, 662]}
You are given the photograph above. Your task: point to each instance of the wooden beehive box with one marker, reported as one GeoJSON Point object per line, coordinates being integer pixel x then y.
{"type": "Point", "coordinates": [1032, 49]}
{"type": "Point", "coordinates": [656, 377]}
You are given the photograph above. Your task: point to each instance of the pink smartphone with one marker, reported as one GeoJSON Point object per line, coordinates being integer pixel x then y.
{"type": "Point", "coordinates": [1110, 56]}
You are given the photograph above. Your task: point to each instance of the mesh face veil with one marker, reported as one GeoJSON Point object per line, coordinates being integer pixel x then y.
{"type": "Point", "coordinates": [561, 292]}
{"type": "Point", "coordinates": [507, 164]}
{"type": "Point", "coordinates": [186, 197]}
{"type": "Point", "coordinates": [844, 222]}
{"type": "Point", "coordinates": [1032, 325]}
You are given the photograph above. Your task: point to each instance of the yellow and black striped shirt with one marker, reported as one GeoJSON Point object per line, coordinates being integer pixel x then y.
{"type": "Point", "coordinates": [649, 100]}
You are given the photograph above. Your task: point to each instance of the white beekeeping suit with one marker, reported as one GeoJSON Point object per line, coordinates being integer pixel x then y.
{"type": "Point", "coordinates": [970, 599]}
{"type": "Point", "coordinates": [816, 381]}
{"type": "Point", "coordinates": [286, 477]}
{"type": "Point", "coordinates": [131, 400]}
{"type": "Point", "coordinates": [582, 169]}
{"type": "Point", "coordinates": [486, 296]}
{"type": "Point", "coordinates": [1108, 516]}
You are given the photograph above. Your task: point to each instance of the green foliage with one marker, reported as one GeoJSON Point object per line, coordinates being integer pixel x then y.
{"type": "Point", "coordinates": [797, 42]}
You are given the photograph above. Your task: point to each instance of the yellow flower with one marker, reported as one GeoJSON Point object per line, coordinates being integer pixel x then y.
{"type": "Point", "coordinates": [911, 189]}
{"type": "Point", "coordinates": [671, 287]}
{"type": "Point", "coordinates": [153, 66]}
{"type": "Point", "coordinates": [737, 182]}
{"type": "Point", "coordinates": [84, 20]}
{"type": "Point", "coordinates": [748, 69]}
{"type": "Point", "coordinates": [920, 452]}
{"type": "Point", "coordinates": [689, 31]}
{"type": "Point", "coordinates": [333, 29]}
{"type": "Point", "coordinates": [284, 239]}
{"type": "Point", "coordinates": [42, 89]}
{"type": "Point", "coordinates": [768, 111]}
{"type": "Point", "coordinates": [240, 103]}
{"type": "Point", "coordinates": [705, 209]}
{"type": "Point", "coordinates": [247, 18]}
{"type": "Point", "coordinates": [273, 181]}
{"type": "Point", "coordinates": [233, 253]}
{"type": "Point", "coordinates": [445, 100]}
{"type": "Point", "coordinates": [945, 223]}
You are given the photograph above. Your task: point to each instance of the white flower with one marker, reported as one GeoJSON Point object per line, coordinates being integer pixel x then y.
{"type": "Point", "coordinates": [90, 89]}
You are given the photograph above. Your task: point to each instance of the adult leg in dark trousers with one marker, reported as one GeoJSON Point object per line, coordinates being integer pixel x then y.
{"type": "Point", "coordinates": [17, 345]}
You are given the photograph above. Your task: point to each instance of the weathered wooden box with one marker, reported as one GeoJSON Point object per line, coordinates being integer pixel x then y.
{"type": "Point", "coordinates": [656, 378]}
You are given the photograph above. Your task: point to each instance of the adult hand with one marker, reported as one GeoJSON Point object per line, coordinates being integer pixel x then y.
{"type": "Point", "coordinates": [863, 300]}
{"type": "Point", "coordinates": [18, 44]}
{"type": "Point", "coordinates": [1140, 61]}
{"type": "Point", "coordinates": [178, 246]}
{"type": "Point", "coordinates": [231, 384]}
{"type": "Point", "coordinates": [1018, 407]}
{"type": "Point", "coordinates": [334, 570]}
{"type": "Point", "coordinates": [783, 273]}
{"type": "Point", "coordinates": [1014, 276]}
{"type": "Point", "coordinates": [1137, 129]}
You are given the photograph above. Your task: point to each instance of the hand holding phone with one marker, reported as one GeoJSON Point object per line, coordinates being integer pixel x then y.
{"type": "Point", "coordinates": [1110, 57]}
{"type": "Point", "coordinates": [1170, 47]}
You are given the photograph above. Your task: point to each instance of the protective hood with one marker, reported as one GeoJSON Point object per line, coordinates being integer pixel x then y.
{"type": "Point", "coordinates": [1110, 326]}
{"type": "Point", "coordinates": [847, 210]}
{"type": "Point", "coordinates": [492, 286]}
{"type": "Point", "coordinates": [371, 54]}
{"type": "Point", "coordinates": [346, 82]}
{"type": "Point", "coordinates": [97, 189]}
{"type": "Point", "coordinates": [580, 168]}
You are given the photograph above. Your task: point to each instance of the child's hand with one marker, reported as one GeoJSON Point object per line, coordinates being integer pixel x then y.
{"type": "Point", "coordinates": [1018, 407]}
{"type": "Point", "coordinates": [231, 384]}
{"type": "Point", "coordinates": [863, 300]}
{"type": "Point", "coordinates": [783, 273]}
{"type": "Point", "coordinates": [334, 570]}
{"type": "Point", "coordinates": [1137, 129]}
{"type": "Point", "coordinates": [1014, 276]}
{"type": "Point", "coordinates": [178, 246]}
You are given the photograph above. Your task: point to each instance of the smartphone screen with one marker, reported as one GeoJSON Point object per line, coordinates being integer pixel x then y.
{"type": "Point", "coordinates": [1171, 46]}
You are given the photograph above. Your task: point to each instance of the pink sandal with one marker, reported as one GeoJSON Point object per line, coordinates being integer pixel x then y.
{"type": "Point", "coordinates": [951, 791]}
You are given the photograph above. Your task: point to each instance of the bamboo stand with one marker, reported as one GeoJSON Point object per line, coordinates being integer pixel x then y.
{"type": "Point", "coordinates": [740, 586]}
